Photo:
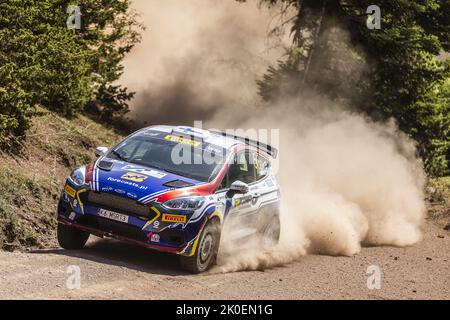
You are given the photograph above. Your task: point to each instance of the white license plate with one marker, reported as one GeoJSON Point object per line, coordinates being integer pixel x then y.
{"type": "Point", "coordinates": [113, 215]}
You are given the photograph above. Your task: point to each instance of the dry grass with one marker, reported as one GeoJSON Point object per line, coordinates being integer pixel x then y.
{"type": "Point", "coordinates": [30, 182]}
{"type": "Point", "coordinates": [438, 196]}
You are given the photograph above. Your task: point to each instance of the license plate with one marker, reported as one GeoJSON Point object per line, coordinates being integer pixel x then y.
{"type": "Point", "coordinates": [113, 215]}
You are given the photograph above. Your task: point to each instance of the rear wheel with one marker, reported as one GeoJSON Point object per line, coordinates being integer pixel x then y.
{"type": "Point", "coordinates": [207, 248]}
{"type": "Point", "coordinates": [71, 238]}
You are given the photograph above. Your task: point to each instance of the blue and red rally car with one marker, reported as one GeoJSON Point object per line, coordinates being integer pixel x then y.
{"type": "Point", "coordinates": [172, 189]}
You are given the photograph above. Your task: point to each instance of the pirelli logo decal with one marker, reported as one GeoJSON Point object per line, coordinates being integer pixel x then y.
{"type": "Point", "coordinates": [70, 191]}
{"type": "Point", "coordinates": [182, 140]}
{"type": "Point", "coordinates": [173, 218]}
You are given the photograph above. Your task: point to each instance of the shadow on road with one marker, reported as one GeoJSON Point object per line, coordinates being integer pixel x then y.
{"type": "Point", "coordinates": [112, 252]}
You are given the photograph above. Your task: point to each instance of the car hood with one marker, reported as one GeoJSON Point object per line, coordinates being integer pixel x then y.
{"type": "Point", "coordinates": [135, 181]}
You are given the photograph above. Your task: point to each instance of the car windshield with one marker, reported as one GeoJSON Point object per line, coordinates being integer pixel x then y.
{"type": "Point", "coordinates": [174, 154]}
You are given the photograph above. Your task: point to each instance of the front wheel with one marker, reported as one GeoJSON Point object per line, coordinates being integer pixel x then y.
{"type": "Point", "coordinates": [206, 252]}
{"type": "Point", "coordinates": [71, 238]}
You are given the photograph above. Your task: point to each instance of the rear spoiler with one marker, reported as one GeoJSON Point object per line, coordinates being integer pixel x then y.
{"type": "Point", "coordinates": [273, 152]}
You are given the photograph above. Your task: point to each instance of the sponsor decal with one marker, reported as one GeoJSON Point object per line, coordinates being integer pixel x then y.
{"type": "Point", "coordinates": [173, 218]}
{"type": "Point", "coordinates": [155, 237]}
{"type": "Point", "coordinates": [70, 191]}
{"type": "Point", "coordinates": [133, 176]}
{"type": "Point", "coordinates": [72, 215]}
{"type": "Point", "coordinates": [243, 202]}
{"type": "Point", "coordinates": [107, 189]}
{"type": "Point", "coordinates": [129, 183]}
{"type": "Point", "coordinates": [182, 140]}
{"type": "Point", "coordinates": [145, 171]}
{"type": "Point", "coordinates": [156, 224]}
{"type": "Point", "coordinates": [132, 195]}
{"type": "Point", "coordinates": [119, 191]}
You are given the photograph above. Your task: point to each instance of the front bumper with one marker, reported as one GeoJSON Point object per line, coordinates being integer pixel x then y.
{"type": "Point", "coordinates": [147, 226]}
{"type": "Point", "coordinates": [115, 235]}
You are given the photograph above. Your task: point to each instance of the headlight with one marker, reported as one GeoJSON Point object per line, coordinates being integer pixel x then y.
{"type": "Point", "coordinates": [187, 203]}
{"type": "Point", "coordinates": [77, 176]}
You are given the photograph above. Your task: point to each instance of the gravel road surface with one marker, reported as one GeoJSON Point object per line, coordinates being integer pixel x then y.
{"type": "Point", "coordinates": [114, 270]}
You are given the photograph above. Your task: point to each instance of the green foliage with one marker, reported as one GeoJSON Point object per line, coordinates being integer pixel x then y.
{"type": "Point", "coordinates": [111, 103]}
{"type": "Point", "coordinates": [391, 72]}
{"type": "Point", "coordinates": [112, 29]}
{"type": "Point", "coordinates": [43, 63]}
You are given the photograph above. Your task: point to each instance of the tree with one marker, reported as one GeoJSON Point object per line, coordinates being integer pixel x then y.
{"type": "Point", "coordinates": [39, 64]}
{"type": "Point", "coordinates": [110, 30]}
{"type": "Point", "coordinates": [390, 72]}
{"type": "Point", "coordinates": [42, 62]}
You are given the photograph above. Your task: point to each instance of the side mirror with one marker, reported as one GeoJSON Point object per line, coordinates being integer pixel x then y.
{"type": "Point", "coordinates": [237, 187]}
{"type": "Point", "coordinates": [101, 151]}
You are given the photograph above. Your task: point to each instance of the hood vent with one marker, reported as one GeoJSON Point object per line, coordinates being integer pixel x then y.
{"type": "Point", "coordinates": [178, 184]}
{"type": "Point", "coordinates": [105, 165]}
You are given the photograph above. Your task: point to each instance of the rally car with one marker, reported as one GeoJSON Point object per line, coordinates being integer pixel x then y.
{"type": "Point", "coordinates": [172, 189]}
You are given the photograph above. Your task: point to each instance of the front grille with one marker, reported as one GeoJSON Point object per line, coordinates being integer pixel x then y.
{"type": "Point", "coordinates": [113, 227]}
{"type": "Point", "coordinates": [120, 204]}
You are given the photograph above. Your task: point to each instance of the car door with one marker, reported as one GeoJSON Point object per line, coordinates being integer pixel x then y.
{"type": "Point", "coordinates": [243, 210]}
{"type": "Point", "coordinates": [243, 206]}
{"type": "Point", "coordinates": [265, 191]}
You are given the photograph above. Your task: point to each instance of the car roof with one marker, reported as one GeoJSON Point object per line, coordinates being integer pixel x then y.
{"type": "Point", "coordinates": [207, 136]}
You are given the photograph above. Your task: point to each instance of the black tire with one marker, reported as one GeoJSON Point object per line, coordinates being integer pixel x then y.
{"type": "Point", "coordinates": [268, 226]}
{"type": "Point", "coordinates": [206, 252]}
{"type": "Point", "coordinates": [71, 238]}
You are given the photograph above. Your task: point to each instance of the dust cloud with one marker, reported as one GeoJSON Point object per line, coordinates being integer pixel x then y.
{"type": "Point", "coordinates": [346, 181]}
{"type": "Point", "coordinates": [197, 57]}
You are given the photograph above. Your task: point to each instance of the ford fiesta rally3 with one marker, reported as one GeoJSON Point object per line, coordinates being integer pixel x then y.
{"type": "Point", "coordinates": [172, 189]}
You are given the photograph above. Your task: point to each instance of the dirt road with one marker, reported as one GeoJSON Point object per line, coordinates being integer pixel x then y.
{"type": "Point", "coordinates": [110, 269]}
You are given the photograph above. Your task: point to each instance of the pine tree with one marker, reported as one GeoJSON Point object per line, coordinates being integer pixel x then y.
{"type": "Point", "coordinates": [387, 72]}
{"type": "Point", "coordinates": [44, 63]}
